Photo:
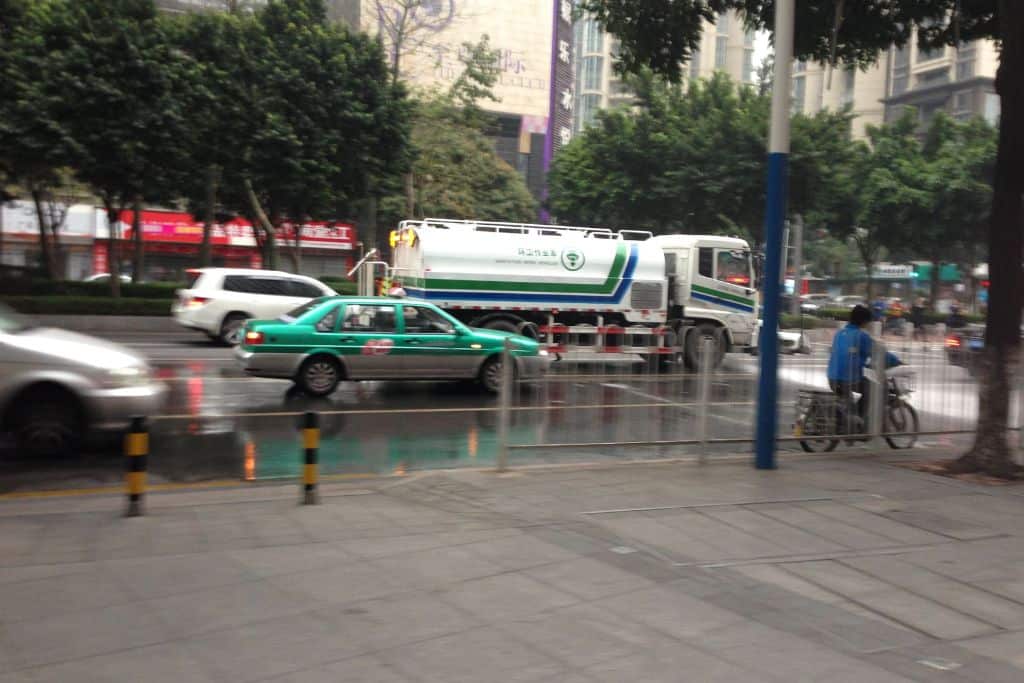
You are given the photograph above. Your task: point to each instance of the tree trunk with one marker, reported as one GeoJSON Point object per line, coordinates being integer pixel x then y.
{"type": "Point", "coordinates": [270, 248]}
{"type": "Point", "coordinates": [114, 248]}
{"type": "Point", "coordinates": [870, 267]}
{"type": "Point", "coordinates": [933, 285]}
{"type": "Point", "coordinates": [138, 247]}
{"type": "Point", "coordinates": [368, 222]}
{"type": "Point", "coordinates": [297, 258]}
{"type": "Point", "coordinates": [410, 195]}
{"type": "Point", "coordinates": [991, 451]}
{"type": "Point", "coordinates": [212, 180]}
{"type": "Point", "coordinates": [46, 253]}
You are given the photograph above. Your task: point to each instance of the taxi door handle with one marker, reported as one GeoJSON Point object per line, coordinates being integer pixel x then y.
{"type": "Point", "coordinates": [413, 341]}
{"type": "Point", "coordinates": [347, 339]}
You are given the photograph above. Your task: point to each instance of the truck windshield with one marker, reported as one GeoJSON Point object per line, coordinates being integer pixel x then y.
{"type": "Point", "coordinates": [734, 267]}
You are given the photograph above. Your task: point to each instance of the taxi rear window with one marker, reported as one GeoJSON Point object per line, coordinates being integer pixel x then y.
{"type": "Point", "coordinates": [296, 313]}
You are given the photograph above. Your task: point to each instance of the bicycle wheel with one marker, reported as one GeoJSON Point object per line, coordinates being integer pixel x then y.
{"type": "Point", "coordinates": [811, 420]}
{"type": "Point", "coordinates": [901, 417]}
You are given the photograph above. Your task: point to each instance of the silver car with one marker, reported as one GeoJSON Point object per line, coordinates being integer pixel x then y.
{"type": "Point", "coordinates": [57, 385]}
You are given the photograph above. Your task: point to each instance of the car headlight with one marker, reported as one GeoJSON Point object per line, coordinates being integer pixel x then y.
{"type": "Point", "coordinates": [543, 352]}
{"type": "Point", "coordinates": [131, 376]}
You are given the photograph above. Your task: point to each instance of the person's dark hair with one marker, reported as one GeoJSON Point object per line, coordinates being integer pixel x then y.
{"type": "Point", "coordinates": [860, 315]}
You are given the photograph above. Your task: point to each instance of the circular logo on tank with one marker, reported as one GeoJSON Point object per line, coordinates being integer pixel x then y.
{"type": "Point", "coordinates": [573, 259]}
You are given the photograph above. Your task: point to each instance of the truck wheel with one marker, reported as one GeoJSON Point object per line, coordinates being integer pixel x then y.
{"type": "Point", "coordinates": [528, 330]}
{"type": "Point", "coordinates": [693, 343]}
{"type": "Point", "coordinates": [501, 326]}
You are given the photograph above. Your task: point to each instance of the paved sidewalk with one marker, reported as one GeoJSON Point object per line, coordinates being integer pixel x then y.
{"type": "Point", "coordinates": [830, 569]}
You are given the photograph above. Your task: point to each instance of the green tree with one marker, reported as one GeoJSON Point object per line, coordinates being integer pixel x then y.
{"type": "Point", "coordinates": [114, 85]}
{"type": "Point", "coordinates": [219, 106]}
{"type": "Point", "coordinates": [33, 145]}
{"type": "Point", "coordinates": [692, 160]}
{"type": "Point", "coordinates": [661, 34]}
{"type": "Point", "coordinates": [323, 121]}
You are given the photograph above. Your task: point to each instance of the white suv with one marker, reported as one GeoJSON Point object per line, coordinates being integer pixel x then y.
{"type": "Point", "coordinates": [218, 301]}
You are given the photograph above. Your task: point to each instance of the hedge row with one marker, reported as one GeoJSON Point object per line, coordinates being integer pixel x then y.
{"type": "Point", "coordinates": [87, 305]}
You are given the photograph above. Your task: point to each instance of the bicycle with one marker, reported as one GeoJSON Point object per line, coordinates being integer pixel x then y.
{"type": "Point", "coordinates": [834, 418]}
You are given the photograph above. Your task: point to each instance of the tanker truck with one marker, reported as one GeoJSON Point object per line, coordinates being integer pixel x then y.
{"type": "Point", "coordinates": [558, 283]}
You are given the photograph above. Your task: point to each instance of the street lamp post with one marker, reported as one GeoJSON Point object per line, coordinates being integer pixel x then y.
{"type": "Point", "coordinates": [775, 216]}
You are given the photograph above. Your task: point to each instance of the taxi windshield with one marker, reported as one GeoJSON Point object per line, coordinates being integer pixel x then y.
{"type": "Point", "coordinates": [296, 313]}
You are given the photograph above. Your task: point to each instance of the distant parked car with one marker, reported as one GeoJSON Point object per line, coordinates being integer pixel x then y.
{"type": "Point", "coordinates": [56, 385]}
{"type": "Point", "coordinates": [105, 277]}
{"type": "Point", "coordinates": [846, 301]}
{"type": "Point", "coordinates": [218, 301]}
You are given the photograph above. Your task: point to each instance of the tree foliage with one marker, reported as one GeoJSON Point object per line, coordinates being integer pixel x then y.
{"type": "Point", "coordinates": [692, 160]}
{"type": "Point", "coordinates": [661, 34]}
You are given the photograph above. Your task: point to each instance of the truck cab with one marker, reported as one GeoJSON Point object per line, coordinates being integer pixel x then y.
{"type": "Point", "coordinates": [711, 285]}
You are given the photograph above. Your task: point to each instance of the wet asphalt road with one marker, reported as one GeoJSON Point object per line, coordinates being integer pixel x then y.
{"type": "Point", "coordinates": [208, 430]}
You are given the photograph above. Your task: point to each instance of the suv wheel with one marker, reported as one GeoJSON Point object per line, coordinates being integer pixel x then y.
{"type": "Point", "coordinates": [231, 329]}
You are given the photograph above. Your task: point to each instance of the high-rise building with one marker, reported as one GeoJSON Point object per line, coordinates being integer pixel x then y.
{"type": "Point", "coordinates": [726, 45]}
{"type": "Point", "coordinates": [957, 80]}
{"type": "Point", "coordinates": [534, 43]}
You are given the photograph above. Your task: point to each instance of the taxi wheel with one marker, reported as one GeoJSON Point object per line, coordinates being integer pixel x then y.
{"type": "Point", "coordinates": [490, 374]}
{"type": "Point", "coordinates": [48, 423]}
{"type": "Point", "coordinates": [319, 376]}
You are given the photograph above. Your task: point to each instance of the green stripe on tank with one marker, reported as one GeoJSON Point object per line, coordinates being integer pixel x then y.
{"type": "Point", "coordinates": [606, 287]}
{"type": "Point", "coordinates": [722, 295]}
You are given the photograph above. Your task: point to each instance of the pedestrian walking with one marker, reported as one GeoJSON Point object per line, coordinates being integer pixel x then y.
{"type": "Point", "coordinates": [917, 319]}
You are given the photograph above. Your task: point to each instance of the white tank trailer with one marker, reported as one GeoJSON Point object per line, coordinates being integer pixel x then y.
{"type": "Point", "coordinates": [541, 279]}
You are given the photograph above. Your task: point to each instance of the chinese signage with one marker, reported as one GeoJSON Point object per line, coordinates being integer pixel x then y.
{"type": "Point", "coordinates": [888, 271]}
{"type": "Point", "coordinates": [173, 226]}
{"type": "Point", "coordinates": [559, 131]}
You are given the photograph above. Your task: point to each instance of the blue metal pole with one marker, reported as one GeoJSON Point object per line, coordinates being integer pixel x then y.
{"type": "Point", "coordinates": [775, 217]}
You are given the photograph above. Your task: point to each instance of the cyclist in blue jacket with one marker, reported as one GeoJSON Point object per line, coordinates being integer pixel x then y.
{"type": "Point", "coordinates": [851, 352]}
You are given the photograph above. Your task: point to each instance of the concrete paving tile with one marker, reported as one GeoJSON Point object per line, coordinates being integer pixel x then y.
{"type": "Point", "coordinates": [437, 566]}
{"type": "Point", "coordinates": [519, 552]}
{"type": "Point", "coordinates": [61, 594]}
{"type": "Point", "coordinates": [273, 647]}
{"type": "Point", "coordinates": [899, 605]}
{"type": "Point", "coordinates": [15, 574]}
{"type": "Point", "coordinates": [340, 584]}
{"type": "Point", "coordinates": [647, 532]}
{"type": "Point", "coordinates": [277, 561]}
{"type": "Point", "coordinates": [731, 542]}
{"type": "Point", "coordinates": [1003, 647]}
{"type": "Point", "coordinates": [164, 663]}
{"type": "Point", "coordinates": [188, 614]}
{"type": "Point", "coordinates": [589, 578]}
{"type": "Point", "coordinates": [485, 654]}
{"type": "Point", "coordinates": [506, 596]}
{"type": "Point", "coordinates": [154, 577]}
{"type": "Point", "coordinates": [875, 524]}
{"type": "Point", "coordinates": [670, 611]}
{"type": "Point", "coordinates": [956, 595]}
{"type": "Point", "coordinates": [671, 664]}
{"type": "Point", "coordinates": [387, 622]}
{"type": "Point", "coordinates": [840, 533]}
{"type": "Point", "coordinates": [83, 634]}
{"type": "Point", "coordinates": [569, 636]}
{"type": "Point", "coordinates": [364, 669]}
{"type": "Point", "coordinates": [787, 539]}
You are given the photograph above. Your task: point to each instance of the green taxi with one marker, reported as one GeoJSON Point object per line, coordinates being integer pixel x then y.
{"type": "Point", "coordinates": [333, 339]}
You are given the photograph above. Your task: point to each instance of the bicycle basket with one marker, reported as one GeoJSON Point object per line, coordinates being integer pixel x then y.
{"type": "Point", "coordinates": [819, 410]}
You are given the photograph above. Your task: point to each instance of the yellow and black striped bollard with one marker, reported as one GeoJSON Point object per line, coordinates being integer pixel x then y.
{"type": "Point", "coordinates": [136, 450]}
{"type": "Point", "coordinates": [311, 451]}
